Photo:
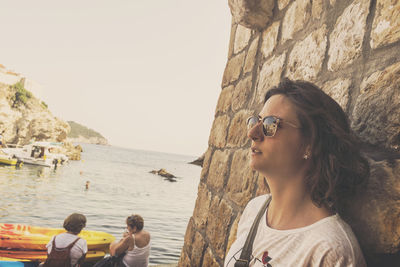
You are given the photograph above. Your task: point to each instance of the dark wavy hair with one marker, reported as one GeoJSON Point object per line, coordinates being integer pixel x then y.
{"type": "Point", "coordinates": [135, 220]}
{"type": "Point", "coordinates": [75, 223]}
{"type": "Point", "coordinates": [337, 165]}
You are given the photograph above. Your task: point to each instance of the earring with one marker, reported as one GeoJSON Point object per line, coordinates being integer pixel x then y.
{"type": "Point", "coordinates": [305, 156]}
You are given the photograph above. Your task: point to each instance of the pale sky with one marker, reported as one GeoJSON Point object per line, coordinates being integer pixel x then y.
{"type": "Point", "coordinates": [146, 74]}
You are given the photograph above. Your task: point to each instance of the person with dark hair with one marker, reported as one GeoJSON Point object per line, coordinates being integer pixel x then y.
{"type": "Point", "coordinates": [301, 142]}
{"type": "Point", "coordinates": [67, 249]}
{"type": "Point", "coordinates": [135, 243]}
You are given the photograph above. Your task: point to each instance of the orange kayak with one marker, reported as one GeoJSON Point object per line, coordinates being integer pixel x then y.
{"type": "Point", "coordinates": [21, 236]}
{"type": "Point", "coordinates": [40, 255]}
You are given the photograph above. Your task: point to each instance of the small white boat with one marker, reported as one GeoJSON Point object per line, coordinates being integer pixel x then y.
{"type": "Point", "coordinates": [36, 153]}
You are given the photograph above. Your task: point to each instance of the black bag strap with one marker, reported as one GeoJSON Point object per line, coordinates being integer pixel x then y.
{"type": "Point", "coordinates": [244, 259]}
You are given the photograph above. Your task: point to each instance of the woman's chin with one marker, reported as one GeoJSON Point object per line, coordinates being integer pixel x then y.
{"type": "Point", "coordinates": [254, 165]}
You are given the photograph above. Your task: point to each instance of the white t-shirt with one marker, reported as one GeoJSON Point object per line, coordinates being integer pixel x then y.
{"type": "Point", "coordinates": [64, 240]}
{"type": "Point", "coordinates": [328, 242]}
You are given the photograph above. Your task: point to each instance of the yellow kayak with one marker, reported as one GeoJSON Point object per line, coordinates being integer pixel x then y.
{"type": "Point", "coordinates": [10, 259]}
{"type": "Point", "coordinates": [21, 236]}
{"type": "Point", "coordinates": [40, 255]}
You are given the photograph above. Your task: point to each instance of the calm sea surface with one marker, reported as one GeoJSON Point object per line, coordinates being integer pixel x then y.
{"type": "Point", "coordinates": [120, 184]}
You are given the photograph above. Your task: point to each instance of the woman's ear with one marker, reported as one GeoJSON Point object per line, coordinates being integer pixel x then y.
{"type": "Point", "coordinates": [307, 152]}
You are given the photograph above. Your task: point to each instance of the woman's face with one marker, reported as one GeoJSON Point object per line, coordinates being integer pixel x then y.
{"type": "Point", "coordinates": [282, 154]}
{"type": "Point", "coordinates": [129, 228]}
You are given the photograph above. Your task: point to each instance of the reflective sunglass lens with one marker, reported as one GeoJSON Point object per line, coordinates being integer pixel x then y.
{"type": "Point", "coordinates": [251, 122]}
{"type": "Point", "coordinates": [270, 126]}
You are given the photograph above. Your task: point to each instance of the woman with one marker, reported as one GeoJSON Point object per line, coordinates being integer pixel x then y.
{"type": "Point", "coordinates": [60, 244]}
{"type": "Point", "coordinates": [301, 142]}
{"type": "Point", "coordinates": [135, 243]}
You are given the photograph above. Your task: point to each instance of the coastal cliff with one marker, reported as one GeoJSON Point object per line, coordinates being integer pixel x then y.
{"type": "Point", "coordinates": [23, 117]}
{"type": "Point", "coordinates": [82, 134]}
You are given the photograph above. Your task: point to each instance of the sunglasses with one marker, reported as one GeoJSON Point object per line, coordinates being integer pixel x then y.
{"type": "Point", "coordinates": [270, 124]}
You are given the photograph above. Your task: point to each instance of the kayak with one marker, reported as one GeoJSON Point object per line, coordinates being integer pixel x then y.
{"type": "Point", "coordinates": [41, 255]}
{"type": "Point", "coordinates": [17, 264]}
{"type": "Point", "coordinates": [21, 236]}
{"type": "Point", "coordinates": [10, 262]}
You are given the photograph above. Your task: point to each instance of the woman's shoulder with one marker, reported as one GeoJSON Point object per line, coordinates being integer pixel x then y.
{"type": "Point", "coordinates": [333, 240]}
{"type": "Point", "coordinates": [257, 202]}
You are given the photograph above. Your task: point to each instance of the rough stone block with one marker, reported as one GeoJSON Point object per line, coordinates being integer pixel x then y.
{"type": "Point", "coordinates": [184, 260]}
{"type": "Point", "coordinates": [251, 56]}
{"type": "Point", "coordinates": [374, 213]}
{"type": "Point", "coordinates": [200, 213]}
{"type": "Point", "coordinates": [242, 38]}
{"type": "Point", "coordinates": [232, 233]}
{"type": "Point", "coordinates": [270, 75]}
{"type": "Point", "coordinates": [225, 99]}
{"type": "Point", "coordinates": [209, 259]}
{"type": "Point", "coordinates": [269, 39]}
{"type": "Point", "coordinates": [241, 93]}
{"type": "Point", "coordinates": [347, 37]}
{"type": "Point", "coordinates": [232, 39]}
{"type": "Point", "coordinates": [189, 235]}
{"type": "Point", "coordinates": [305, 60]}
{"type": "Point", "coordinates": [296, 17]}
{"type": "Point", "coordinates": [237, 136]}
{"type": "Point", "coordinates": [242, 178]}
{"type": "Point", "coordinates": [216, 226]}
{"type": "Point", "coordinates": [339, 90]}
{"type": "Point", "coordinates": [317, 8]}
{"type": "Point", "coordinates": [233, 69]}
{"type": "Point", "coordinates": [198, 248]}
{"type": "Point", "coordinates": [219, 131]}
{"type": "Point", "coordinates": [376, 113]}
{"type": "Point", "coordinates": [282, 4]}
{"type": "Point", "coordinates": [386, 24]}
{"type": "Point", "coordinates": [218, 170]}
{"type": "Point", "coordinates": [206, 164]}
{"type": "Point", "coordinates": [254, 14]}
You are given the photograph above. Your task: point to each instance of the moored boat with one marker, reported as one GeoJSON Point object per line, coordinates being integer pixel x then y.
{"type": "Point", "coordinates": [36, 153]}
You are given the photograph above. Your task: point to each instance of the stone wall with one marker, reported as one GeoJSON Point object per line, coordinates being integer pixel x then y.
{"type": "Point", "coordinates": [351, 49]}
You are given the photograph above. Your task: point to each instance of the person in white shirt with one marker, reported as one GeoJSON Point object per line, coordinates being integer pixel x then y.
{"type": "Point", "coordinates": [74, 224]}
{"type": "Point", "coordinates": [301, 142]}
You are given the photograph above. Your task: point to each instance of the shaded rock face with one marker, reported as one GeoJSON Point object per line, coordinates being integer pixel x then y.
{"type": "Point", "coordinates": [252, 13]}
{"type": "Point", "coordinates": [88, 140]}
{"type": "Point", "coordinates": [30, 121]}
{"type": "Point", "coordinates": [350, 49]}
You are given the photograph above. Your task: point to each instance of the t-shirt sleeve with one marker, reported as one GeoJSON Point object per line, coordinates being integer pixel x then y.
{"type": "Point", "coordinates": [84, 246]}
{"type": "Point", "coordinates": [50, 243]}
{"type": "Point", "coordinates": [335, 256]}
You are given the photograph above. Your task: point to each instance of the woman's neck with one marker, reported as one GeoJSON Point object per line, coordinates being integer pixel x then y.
{"type": "Point", "coordinates": [291, 205]}
{"type": "Point", "coordinates": [72, 233]}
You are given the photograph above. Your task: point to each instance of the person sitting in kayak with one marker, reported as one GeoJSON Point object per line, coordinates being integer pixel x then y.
{"type": "Point", "coordinates": [67, 249]}
{"type": "Point", "coordinates": [135, 243]}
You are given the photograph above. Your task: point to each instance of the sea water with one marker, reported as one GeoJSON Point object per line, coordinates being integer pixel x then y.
{"type": "Point", "coordinates": [120, 185]}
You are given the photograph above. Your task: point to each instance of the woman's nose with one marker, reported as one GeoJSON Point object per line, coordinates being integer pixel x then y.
{"type": "Point", "coordinates": [255, 133]}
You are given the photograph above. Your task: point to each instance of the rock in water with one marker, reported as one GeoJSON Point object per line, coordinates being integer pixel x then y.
{"type": "Point", "coordinates": [199, 161]}
{"type": "Point", "coordinates": [162, 172]}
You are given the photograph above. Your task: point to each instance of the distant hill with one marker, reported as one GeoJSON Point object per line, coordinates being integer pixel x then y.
{"type": "Point", "coordinates": [82, 134]}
